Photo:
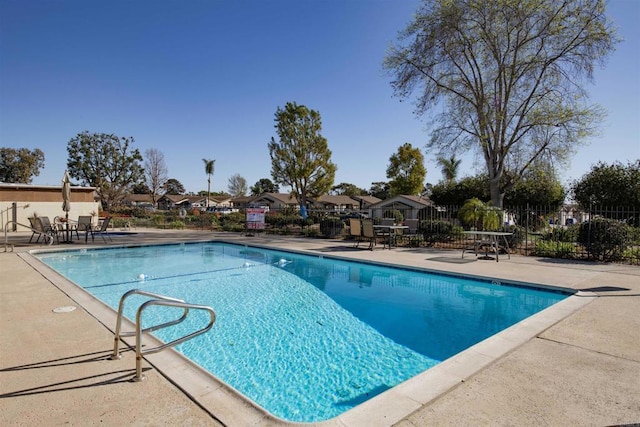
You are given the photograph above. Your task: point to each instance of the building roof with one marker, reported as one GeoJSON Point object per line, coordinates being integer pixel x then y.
{"type": "Point", "coordinates": [180, 198]}
{"type": "Point", "coordinates": [415, 201]}
{"type": "Point", "coordinates": [138, 198]}
{"type": "Point", "coordinates": [336, 200]}
{"type": "Point", "coordinates": [285, 198]}
{"type": "Point", "coordinates": [16, 186]}
{"type": "Point", "coordinates": [241, 199]}
{"type": "Point", "coordinates": [370, 200]}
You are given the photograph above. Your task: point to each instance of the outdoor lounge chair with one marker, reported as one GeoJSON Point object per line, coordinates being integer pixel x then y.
{"type": "Point", "coordinates": [101, 230]}
{"type": "Point", "coordinates": [368, 233]}
{"type": "Point", "coordinates": [36, 229]}
{"type": "Point", "coordinates": [84, 224]}
{"type": "Point", "coordinates": [49, 228]}
{"type": "Point", "coordinates": [355, 230]}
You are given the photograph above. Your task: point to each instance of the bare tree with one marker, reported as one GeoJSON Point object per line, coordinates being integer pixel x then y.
{"type": "Point", "coordinates": [155, 172]}
{"type": "Point", "coordinates": [506, 77]}
{"type": "Point", "coordinates": [237, 185]}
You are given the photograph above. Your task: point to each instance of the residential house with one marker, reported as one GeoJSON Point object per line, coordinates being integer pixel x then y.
{"type": "Point", "coordinates": [241, 202]}
{"type": "Point", "coordinates": [275, 201]}
{"type": "Point", "coordinates": [221, 201]}
{"type": "Point", "coordinates": [365, 201]}
{"type": "Point", "coordinates": [411, 207]}
{"type": "Point", "coordinates": [178, 201]}
{"type": "Point", "coordinates": [334, 203]}
{"type": "Point", "coordinates": [139, 200]}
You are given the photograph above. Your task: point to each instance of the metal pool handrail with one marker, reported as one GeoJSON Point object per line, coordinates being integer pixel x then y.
{"type": "Point", "coordinates": [162, 301]}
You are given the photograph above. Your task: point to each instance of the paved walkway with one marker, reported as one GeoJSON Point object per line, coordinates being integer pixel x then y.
{"type": "Point", "coordinates": [583, 370]}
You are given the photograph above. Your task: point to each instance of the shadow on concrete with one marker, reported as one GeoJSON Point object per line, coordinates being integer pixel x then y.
{"type": "Point", "coordinates": [74, 384]}
{"type": "Point", "coordinates": [90, 357]}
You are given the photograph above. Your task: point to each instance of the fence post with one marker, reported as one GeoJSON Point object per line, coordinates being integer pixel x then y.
{"type": "Point", "coordinates": [526, 232]}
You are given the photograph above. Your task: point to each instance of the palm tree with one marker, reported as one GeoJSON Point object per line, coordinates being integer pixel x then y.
{"type": "Point", "coordinates": [208, 169]}
{"type": "Point", "coordinates": [449, 167]}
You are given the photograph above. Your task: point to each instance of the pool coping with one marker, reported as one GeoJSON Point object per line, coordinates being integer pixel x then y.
{"type": "Point", "coordinates": [389, 407]}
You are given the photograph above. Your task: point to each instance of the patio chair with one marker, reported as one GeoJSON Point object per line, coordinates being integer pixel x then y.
{"type": "Point", "coordinates": [387, 221]}
{"type": "Point", "coordinates": [368, 233]}
{"type": "Point", "coordinates": [355, 231]}
{"type": "Point", "coordinates": [84, 224]}
{"type": "Point", "coordinates": [101, 230]}
{"type": "Point", "coordinates": [36, 229]}
{"type": "Point", "coordinates": [49, 228]}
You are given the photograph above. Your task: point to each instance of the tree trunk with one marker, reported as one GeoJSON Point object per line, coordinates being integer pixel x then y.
{"type": "Point", "coordinates": [497, 195]}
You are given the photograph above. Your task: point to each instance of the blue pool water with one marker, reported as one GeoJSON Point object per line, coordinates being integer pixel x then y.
{"type": "Point", "coordinates": [305, 337]}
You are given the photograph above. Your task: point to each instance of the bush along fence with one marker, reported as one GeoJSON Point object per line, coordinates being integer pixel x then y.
{"type": "Point", "coordinates": [597, 233]}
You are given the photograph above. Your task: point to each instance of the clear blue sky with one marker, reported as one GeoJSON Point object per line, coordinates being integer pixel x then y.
{"type": "Point", "coordinates": [203, 79]}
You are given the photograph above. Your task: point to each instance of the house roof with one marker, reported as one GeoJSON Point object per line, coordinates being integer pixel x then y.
{"type": "Point", "coordinates": [370, 200]}
{"type": "Point", "coordinates": [415, 201]}
{"type": "Point", "coordinates": [284, 198]}
{"type": "Point", "coordinates": [336, 200]}
{"type": "Point", "coordinates": [138, 198]}
{"type": "Point", "coordinates": [241, 199]}
{"type": "Point", "coordinates": [180, 198]}
{"type": "Point", "coordinates": [219, 199]}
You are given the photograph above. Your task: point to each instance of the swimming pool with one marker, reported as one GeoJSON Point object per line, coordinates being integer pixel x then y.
{"type": "Point", "coordinates": [353, 330]}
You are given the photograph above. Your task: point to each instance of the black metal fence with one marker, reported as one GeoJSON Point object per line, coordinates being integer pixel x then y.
{"type": "Point", "coordinates": [608, 234]}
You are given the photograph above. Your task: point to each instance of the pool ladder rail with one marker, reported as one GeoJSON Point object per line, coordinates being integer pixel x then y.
{"type": "Point", "coordinates": [162, 301]}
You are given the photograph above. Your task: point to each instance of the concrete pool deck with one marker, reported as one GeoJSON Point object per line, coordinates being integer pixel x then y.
{"type": "Point", "coordinates": [584, 369]}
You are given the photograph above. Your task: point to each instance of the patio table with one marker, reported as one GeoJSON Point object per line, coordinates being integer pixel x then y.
{"type": "Point", "coordinates": [391, 230]}
{"type": "Point", "coordinates": [490, 238]}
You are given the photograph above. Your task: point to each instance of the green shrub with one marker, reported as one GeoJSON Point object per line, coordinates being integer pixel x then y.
{"type": "Point", "coordinates": [517, 236]}
{"type": "Point", "coordinates": [554, 249]}
{"type": "Point", "coordinates": [562, 234]}
{"type": "Point", "coordinates": [234, 227]}
{"type": "Point", "coordinates": [631, 255]}
{"type": "Point", "coordinates": [177, 225]}
{"type": "Point", "coordinates": [158, 220]}
{"type": "Point", "coordinates": [634, 235]}
{"type": "Point", "coordinates": [312, 232]}
{"type": "Point", "coordinates": [281, 220]}
{"type": "Point", "coordinates": [439, 231]}
{"type": "Point", "coordinates": [605, 239]}
{"type": "Point", "coordinates": [119, 222]}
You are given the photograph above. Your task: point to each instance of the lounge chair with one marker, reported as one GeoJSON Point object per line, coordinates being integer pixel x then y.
{"type": "Point", "coordinates": [49, 228]}
{"type": "Point", "coordinates": [355, 230]}
{"type": "Point", "coordinates": [36, 229]}
{"type": "Point", "coordinates": [368, 233]}
{"type": "Point", "coordinates": [84, 224]}
{"type": "Point", "coordinates": [101, 230]}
